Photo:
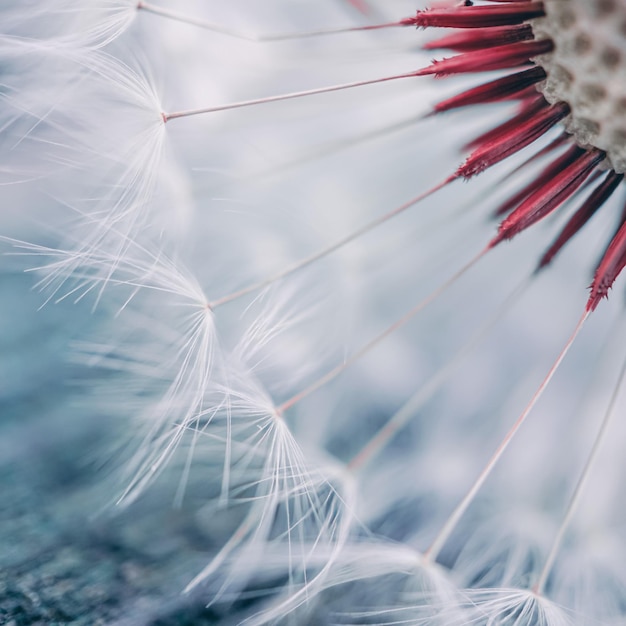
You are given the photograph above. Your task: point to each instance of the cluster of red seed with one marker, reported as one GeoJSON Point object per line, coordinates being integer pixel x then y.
{"type": "Point", "coordinates": [500, 36]}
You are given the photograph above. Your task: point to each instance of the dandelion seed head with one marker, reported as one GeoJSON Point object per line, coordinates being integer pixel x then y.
{"type": "Point", "coordinates": [573, 55]}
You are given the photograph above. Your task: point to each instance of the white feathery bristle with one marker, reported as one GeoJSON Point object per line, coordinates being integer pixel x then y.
{"type": "Point", "coordinates": [514, 607]}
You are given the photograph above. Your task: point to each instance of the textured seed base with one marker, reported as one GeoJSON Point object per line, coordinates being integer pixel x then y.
{"type": "Point", "coordinates": [588, 70]}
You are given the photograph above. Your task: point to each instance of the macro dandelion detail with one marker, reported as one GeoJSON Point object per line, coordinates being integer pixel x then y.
{"type": "Point", "coordinates": [266, 357]}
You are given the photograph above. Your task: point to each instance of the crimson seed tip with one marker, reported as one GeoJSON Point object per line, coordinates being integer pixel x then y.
{"type": "Point", "coordinates": [586, 211]}
{"type": "Point", "coordinates": [609, 268]}
{"type": "Point", "coordinates": [500, 89]}
{"type": "Point", "coordinates": [552, 194]}
{"type": "Point", "coordinates": [473, 16]}
{"type": "Point", "coordinates": [490, 59]}
{"type": "Point", "coordinates": [481, 38]}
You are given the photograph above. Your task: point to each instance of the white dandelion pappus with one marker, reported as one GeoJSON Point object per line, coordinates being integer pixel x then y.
{"type": "Point", "coordinates": [69, 24]}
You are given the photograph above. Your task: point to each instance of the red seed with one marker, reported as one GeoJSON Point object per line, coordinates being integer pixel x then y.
{"type": "Point", "coordinates": [545, 177]}
{"type": "Point", "coordinates": [500, 57]}
{"type": "Point", "coordinates": [512, 138]}
{"type": "Point", "coordinates": [611, 264]}
{"type": "Point", "coordinates": [548, 197]}
{"type": "Point", "coordinates": [499, 89]}
{"type": "Point", "coordinates": [528, 109]}
{"type": "Point", "coordinates": [481, 38]}
{"type": "Point", "coordinates": [597, 198]}
{"type": "Point", "coordinates": [482, 16]}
